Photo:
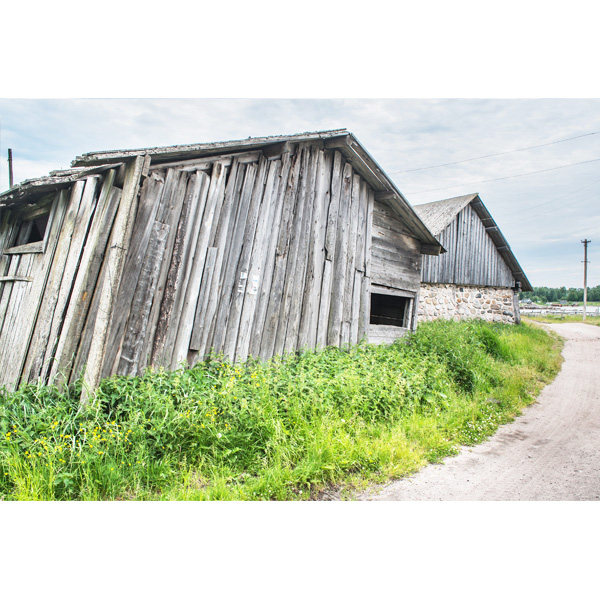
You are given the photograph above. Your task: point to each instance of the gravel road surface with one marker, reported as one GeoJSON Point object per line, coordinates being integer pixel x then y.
{"type": "Point", "coordinates": [550, 452]}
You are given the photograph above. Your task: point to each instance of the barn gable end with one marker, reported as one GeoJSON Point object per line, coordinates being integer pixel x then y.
{"type": "Point", "coordinates": [479, 275]}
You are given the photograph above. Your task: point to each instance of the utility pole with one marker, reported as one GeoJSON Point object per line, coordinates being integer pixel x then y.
{"type": "Point", "coordinates": [585, 264]}
{"type": "Point", "coordinates": [10, 173]}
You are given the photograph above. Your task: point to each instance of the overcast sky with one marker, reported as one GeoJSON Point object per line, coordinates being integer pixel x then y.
{"type": "Point", "coordinates": [544, 215]}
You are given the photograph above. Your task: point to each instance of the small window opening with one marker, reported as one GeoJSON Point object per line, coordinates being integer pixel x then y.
{"type": "Point", "coordinates": [32, 231]}
{"type": "Point", "coordinates": [38, 229]}
{"type": "Point", "coordinates": [389, 310]}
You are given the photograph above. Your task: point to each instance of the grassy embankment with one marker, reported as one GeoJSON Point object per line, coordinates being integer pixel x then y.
{"type": "Point", "coordinates": [278, 430]}
{"type": "Point", "coordinates": [564, 319]}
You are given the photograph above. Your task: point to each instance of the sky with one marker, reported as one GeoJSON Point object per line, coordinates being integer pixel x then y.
{"type": "Point", "coordinates": [545, 199]}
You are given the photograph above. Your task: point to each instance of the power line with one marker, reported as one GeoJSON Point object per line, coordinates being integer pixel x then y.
{"type": "Point", "coordinates": [458, 162]}
{"type": "Point", "coordinates": [549, 201]}
{"type": "Point", "coordinates": [543, 212]}
{"type": "Point", "coordinates": [507, 177]}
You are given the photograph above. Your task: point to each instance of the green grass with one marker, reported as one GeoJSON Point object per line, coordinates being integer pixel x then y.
{"type": "Point", "coordinates": [565, 319]}
{"type": "Point", "coordinates": [281, 430]}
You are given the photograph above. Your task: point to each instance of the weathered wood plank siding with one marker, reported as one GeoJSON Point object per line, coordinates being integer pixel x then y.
{"type": "Point", "coordinates": [471, 258]}
{"type": "Point", "coordinates": [395, 256]}
{"type": "Point", "coordinates": [45, 309]}
{"type": "Point", "coordinates": [281, 253]}
{"type": "Point", "coordinates": [395, 269]}
{"type": "Point", "coordinates": [160, 265]}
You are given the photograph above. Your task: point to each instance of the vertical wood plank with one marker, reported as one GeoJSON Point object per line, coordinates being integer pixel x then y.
{"type": "Point", "coordinates": [299, 257]}
{"type": "Point", "coordinates": [72, 256]}
{"type": "Point", "coordinates": [267, 346]}
{"type": "Point", "coordinates": [264, 296]}
{"type": "Point", "coordinates": [330, 245]}
{"type": "Point", "coordinates": [11, 353]}
{"type": "Point", "coordinates": [307, 336]}
{"type": "Point", "coordinates": [137, 323]}
{"type": "Point", "coordinates": [264, 232]}
{"type": "Point", "coordinates": [115, 259]}
{"type": "Point", "coordinates": [231, 277]}
{"type": "Point", "coordinates": [183, 259]}
{"type": "Point", "coordinates": [356, 305]}
{"type": "Point", "coordinates": [155, 191]}
{"type": "Point", "coordinates": [168, 270]}
{"type": "Point", "coordinates": [212, 280]}
{"type": "Point", "coordinates": [206, 284]}
{"type": "Point", "coordinates": [349, 285]}
{"type": "Point", "coordinates": [196, 260]}
{"type": "Point", "coordinates": [69, 201]}
{"type": "Point", "coordinates": [87, 274]}
{"type": "Point", "coordinates": [243, 265]}
{"type": "Point", "coordinates": [365, 305]}
{"type": "Point", "coordinates": [90, 320]}
{"type": "Point", "coordinates": [39, 273]}
{"type": "Point", "coordinates": [6, 307]}
{"type": "Point", "coordinates": [339, 266]}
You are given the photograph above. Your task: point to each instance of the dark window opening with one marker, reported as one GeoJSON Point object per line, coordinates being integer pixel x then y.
{"type": "Point", "coordinates": [32, 231]}
{"type": "Point", "coordinates": [38, 229]}
{"type": "Point", "coordinates": [389, 310]}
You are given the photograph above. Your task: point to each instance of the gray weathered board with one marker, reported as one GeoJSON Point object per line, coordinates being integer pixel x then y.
{"type": "Point", "coordinates": [471, 258]}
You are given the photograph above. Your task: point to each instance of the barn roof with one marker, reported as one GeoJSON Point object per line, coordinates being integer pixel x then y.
{"type": "Point", "coordinates": [338, 139]}
{"type": "Point", "coordinates": [438, 215]}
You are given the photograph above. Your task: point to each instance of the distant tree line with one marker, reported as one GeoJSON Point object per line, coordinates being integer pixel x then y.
{"type": "Point", "coordinates": [543, 295]}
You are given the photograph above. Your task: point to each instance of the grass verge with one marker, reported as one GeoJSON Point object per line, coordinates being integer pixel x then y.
{"type": "Point", "coordinates": [279, 430]}
{"type": "Point", "coordinates": [565, 319]}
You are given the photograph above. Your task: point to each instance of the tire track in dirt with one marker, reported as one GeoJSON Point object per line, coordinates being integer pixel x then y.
{"type": "Point", "coordinates": [551, 452]}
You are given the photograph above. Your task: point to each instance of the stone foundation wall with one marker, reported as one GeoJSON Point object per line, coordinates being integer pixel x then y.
{"type": "Point", "coordinates": [447, 301]}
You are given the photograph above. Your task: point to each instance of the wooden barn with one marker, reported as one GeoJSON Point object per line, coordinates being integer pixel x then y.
{"type": "Point", "coordinates": [478, 276]}
{"type": "Point", "coordinates": [160, 256]}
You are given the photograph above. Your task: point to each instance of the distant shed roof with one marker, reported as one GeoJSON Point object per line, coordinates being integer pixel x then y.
{"type": "Point", "coordinates": [438, 215]}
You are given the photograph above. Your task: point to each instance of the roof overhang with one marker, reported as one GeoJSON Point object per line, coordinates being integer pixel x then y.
{"type": "Point", "coordinates": [29, 191]}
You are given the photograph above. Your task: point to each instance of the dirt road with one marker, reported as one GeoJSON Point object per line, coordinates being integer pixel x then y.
{"type": "Point", "coordinates": [551, 452]}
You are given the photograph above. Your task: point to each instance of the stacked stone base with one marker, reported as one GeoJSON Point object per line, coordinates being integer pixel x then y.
{"type": "Point", "coordinates": [447, 301]}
